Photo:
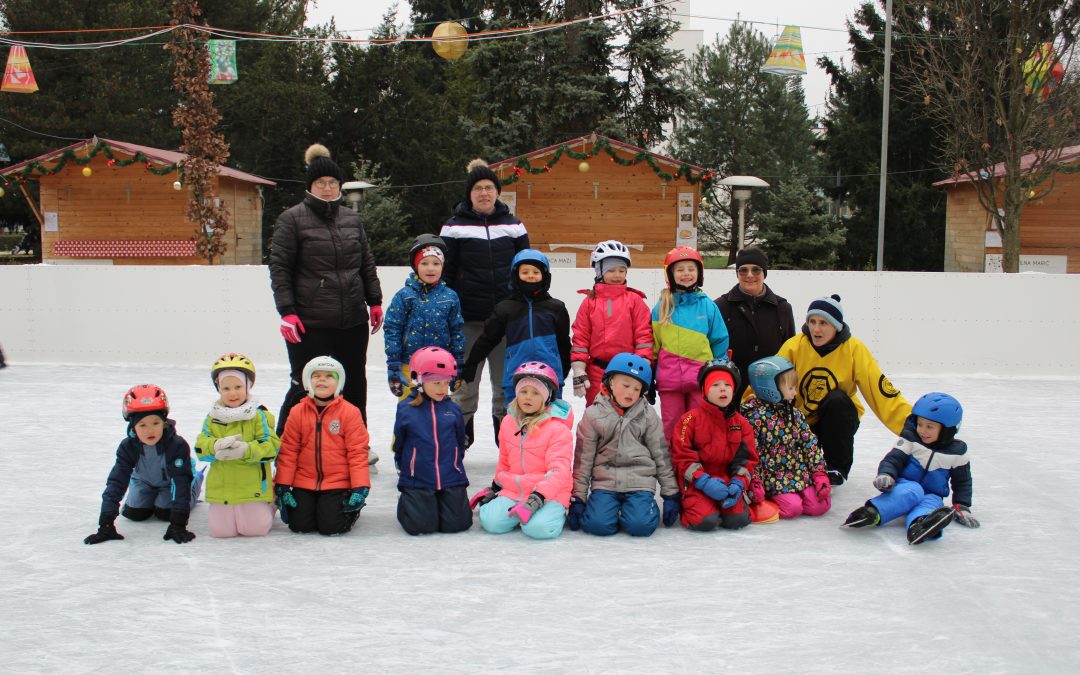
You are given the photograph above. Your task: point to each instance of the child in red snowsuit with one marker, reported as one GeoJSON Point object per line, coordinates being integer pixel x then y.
{"type": "Point", "coordinates": [612, 319]}
{"type": "Point", "coordinates": [713, 451]}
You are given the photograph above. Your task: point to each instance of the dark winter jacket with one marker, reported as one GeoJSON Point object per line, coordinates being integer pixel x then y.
{"type": "Point", "coordinates": [936, 467]}
{"type": "Point", "coordinates": [536, 329]}
{"type": "Point", "coordinates": [719, 443]}
{"type": "Point", "coordinates": [479, 250]}
{"type": "Point", "coordinates": [321, 266]}
{"type": "Point", "coordinates": [756, 327]}
{"type": "Point", "coordinates": [178, 471]}
{"type": "Point", "coordinates": [429, 445]}
{"type": "Point", "coordinates": [421, 315]}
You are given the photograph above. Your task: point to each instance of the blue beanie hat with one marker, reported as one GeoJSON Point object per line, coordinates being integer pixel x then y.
{"type": "Point", "coordinates": [829, 309]}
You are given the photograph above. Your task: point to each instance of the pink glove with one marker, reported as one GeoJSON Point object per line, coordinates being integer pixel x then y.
{"type": "Point", "coordinates": [376, 318]}
{"type": "Point", "coordinates": [822, 485]}
{"type": "Point", "coordinates": [291, 328]}
{"type": "Point", "coordinates": [756, 492]}
{"type": "Point", "coordinates": [525, 509]}
{"type": "Point", "coordinates": [484, 496]}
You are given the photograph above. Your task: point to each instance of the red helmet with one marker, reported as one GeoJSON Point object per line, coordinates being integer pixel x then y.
{"type": "Point", "coordinates": [678, 254]}
{"type": "Point", "coordinates": [145, 398]}
{"type": "Point", "coordinates": [432, 363]}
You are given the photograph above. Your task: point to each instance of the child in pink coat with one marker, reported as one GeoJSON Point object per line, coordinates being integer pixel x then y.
{"type": "Point", "coordinates": [612, 319]}
{"type": "Point", "coordinates": [534, 476]}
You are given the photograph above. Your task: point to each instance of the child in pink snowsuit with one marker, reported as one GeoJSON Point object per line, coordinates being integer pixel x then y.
{"type": "Point", "coordinates": [612, 319]}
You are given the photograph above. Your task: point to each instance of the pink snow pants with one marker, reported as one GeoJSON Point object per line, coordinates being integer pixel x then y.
{"type": "Point", "coordinates": [252, 519]}
{"type": "Point", "coordinates": [675, 404]}
{"type": "Point", "coordinates": [807, 503]}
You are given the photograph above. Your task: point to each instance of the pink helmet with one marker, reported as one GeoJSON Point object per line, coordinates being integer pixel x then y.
{"type": "Point", "coordinates": [540, 371]}
{"type": "Point", "coordinates": [432, 363]}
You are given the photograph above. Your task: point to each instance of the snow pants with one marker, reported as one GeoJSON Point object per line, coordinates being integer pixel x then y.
{"type": "Point", "coordinates": [837, 422]}
{"type": "Point", "coordinates": [321, 512]}
{"type": "Point", "coordinates": [807, 502]}
{"type": "Point", "coordinates": [700, 512]}
{"type": "Point", "coordinates": [675, 404]}
{"type": "Point", "coordinates": [144, 497]}
{"type": "Point", "coordinates": [596, 380]}
{"type": "Point", "coordinates": [606, 512]}
{"type": "Point", "coordinates": [251, 519]}
{"type": "Point", "coordinates": [423, 511]}
{"type": "Point", "coordinates": [468, 396]}
{"type": "Point", "coordinates": [906, 498]}
{"type": "Point", "coordinates": [546, 523]}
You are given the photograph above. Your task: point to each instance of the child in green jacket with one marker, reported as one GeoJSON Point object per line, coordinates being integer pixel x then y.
{"type": "Point", "coordinates": [239, 441]}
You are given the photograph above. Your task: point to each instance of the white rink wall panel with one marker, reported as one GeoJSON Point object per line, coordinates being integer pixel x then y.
{"type": "Point", "coordinates": [913, 322]}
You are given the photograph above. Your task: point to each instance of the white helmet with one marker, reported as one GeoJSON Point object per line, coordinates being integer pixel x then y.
{"type": "Point", "coordinates": [609, 249]}
{"type": "Point", "coordinates": [328, 364]}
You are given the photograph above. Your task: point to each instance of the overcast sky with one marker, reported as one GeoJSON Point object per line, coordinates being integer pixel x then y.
{"type": "Point", "coordinates": [822, 23]}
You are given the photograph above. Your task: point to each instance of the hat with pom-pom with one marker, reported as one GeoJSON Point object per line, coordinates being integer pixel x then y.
{"type": "Point", "coordinates": [479, 170]}
{"type": "Point", "coordinates": [829, 309]}
{"type": "Point", "coordinates": [319, 165]}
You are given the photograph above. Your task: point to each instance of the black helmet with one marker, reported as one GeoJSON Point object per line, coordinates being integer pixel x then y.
{"type": "Point", "coordinates": [424, 241]}
{"type": "Point", "coordinates": [713, 365]}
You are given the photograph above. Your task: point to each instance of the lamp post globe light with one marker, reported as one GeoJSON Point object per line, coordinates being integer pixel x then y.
{"type": "Point", "coordinates": [741, 188]}
{"type": "Point", "coordinates": [354, 190]}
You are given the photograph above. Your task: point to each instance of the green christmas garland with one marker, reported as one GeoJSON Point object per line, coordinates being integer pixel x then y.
{"type": "Point", "coordinates": [523, 165]}
{"type": "Point", "coordinates": [68, 155]}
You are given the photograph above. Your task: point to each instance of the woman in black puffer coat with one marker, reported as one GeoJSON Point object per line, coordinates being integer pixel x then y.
{"type": "Point", "coordinates": [325, 283]}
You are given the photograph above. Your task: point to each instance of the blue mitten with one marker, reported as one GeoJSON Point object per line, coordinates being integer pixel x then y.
{"type": "Point", "coordinates": [672, 508]}
{"type": "Point", "coordinates": [285, 501]}
{"type": "Point", "coordinates": [714, 488]}
{"type": "Point", "coordinates": [735, 491]}
{"type": "Point", "coordinates": [577, 510]}
{"type": "Point", "coordinates": [354, 500]}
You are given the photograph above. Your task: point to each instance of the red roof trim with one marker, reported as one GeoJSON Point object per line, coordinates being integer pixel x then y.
{"type": "Point", "coordinates": [1068, 155]}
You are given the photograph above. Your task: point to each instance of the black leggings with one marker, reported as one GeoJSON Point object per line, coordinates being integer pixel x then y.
{"type": "Point", "coordinates": [320, 512]}
{"type": "Point", "coordinates": [347, 345]}
{"type": "Point", "coordinates": [837, 422]}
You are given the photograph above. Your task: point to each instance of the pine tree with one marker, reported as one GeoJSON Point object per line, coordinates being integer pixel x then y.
{"type": "Point", "coordinates": [648, 93]}
{"type": "Point", "coordinates": [797, 231]}
{"type": "Point", "coordinates": [383, 215]}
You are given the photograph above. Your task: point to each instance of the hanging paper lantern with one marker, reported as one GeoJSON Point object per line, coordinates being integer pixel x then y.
{"type": "Point", "coordinates": [583, 167]}
{"type": "Point", "coordinates": [87, 171]}
{"type": "Point", "coordinates": [222, 61]}
{"type": "Point", "coordinates": [786, 57]}
{"type": "Point", "coordinates": [448, 41]}
{"type": "Point", "coordinates": [1043, 71]}
{"type": "Point", "coordinates": [18, 77]}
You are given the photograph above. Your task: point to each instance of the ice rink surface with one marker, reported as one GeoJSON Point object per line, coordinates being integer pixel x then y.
{"type": "Point", "coordinates": [802, 596]}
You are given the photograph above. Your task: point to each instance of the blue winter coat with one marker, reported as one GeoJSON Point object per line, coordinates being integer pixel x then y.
{"type": "Point", "coordinates": [422, 315]}
{"type": "Point", "coordinates": [178, 467]}
{"type": "Point", "coordinates": [429, 445]}
{"type": "Point", "coordinates": [937, 467]}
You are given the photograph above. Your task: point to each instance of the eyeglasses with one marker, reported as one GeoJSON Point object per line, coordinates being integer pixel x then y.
{"type": "Point", "coordinates": [748, 270]}
{"type": "Point", "coordinates": [326, 183]}
{"type": "Point", "coordinates": [484, 188]}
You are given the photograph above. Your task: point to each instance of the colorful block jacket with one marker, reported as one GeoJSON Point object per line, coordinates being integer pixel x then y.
{"type": "Point", "coordinates": [788, 452]}
{"type": "Point", "coordinates": [422, 315]}
{"type": "Point", "coordinates": [695, 334]}
{"type": "Point", "coordinates": [713, 441]}
{"type": "Point", "coordinates": [942, 465]}
{"type": "Point", "coordinates": [612, 319]}
{"type": "Point", "coordinates": [178, 469]}
{"type": "Point", "coordinates": [539, 459]}
{"type": "Point", "coordinates": [250, 478]}
{"type": "Point", "coordinates": [621, 451]}
{"type": "Point", "coordinates": [845, 364]}
{"type": "Point", "coordinates": [429, 445]}
{"type": "Point", "coordinates": [324, 448]}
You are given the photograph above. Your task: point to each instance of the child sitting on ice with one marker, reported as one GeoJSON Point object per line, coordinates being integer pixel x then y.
{"type": "Point", "coordinates": [322, 477]}
{"type": "Point", "coordinates": [238, 440]}
{"type": "Point", "coordinates": [917, 474]}
{"type": "Point", "coordinates": [533, 478]}
{"type": "Point", "coordinates": [791, 465]}
{"type": "Point", "coordinates": [153, 466]}
{"type": "Point", "coordinates": [620, 456]}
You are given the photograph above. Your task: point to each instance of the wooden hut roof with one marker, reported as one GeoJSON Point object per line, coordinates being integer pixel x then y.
{"type": "Point", "coordinates": [590, 140]}
{"type": "Point", "coordinates": [1068, 155]}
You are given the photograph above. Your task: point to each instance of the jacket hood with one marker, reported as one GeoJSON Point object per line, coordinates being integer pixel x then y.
{"type": "Point", "coordinates": [322, 207]}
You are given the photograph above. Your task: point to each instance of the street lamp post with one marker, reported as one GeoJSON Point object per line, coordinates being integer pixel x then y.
{"type": "Point", "coordinates": [741, 188]}
{"type": "Point", "coordinates": [354, 190]}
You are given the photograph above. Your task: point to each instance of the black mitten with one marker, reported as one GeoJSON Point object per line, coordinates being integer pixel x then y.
{"type": "Point", "coordinates": [106, 531]}
{"type": "Point", "coordinates": [177, 530]}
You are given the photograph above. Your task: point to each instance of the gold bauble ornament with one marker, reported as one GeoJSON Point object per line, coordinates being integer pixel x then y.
{"type": "Point", "coordinates": [446, 47]}
{"type": "Point", "coordinates": [87, 171]}
{"type": "Point", "coordinates": [2, 192]}
{"type": "Point", "coordinates": [583, 167]}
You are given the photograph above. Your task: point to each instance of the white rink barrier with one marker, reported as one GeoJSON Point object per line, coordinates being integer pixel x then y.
{"type": "Point", "coordinates": [913, 322]}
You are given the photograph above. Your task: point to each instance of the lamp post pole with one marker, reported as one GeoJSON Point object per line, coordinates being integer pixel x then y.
{"type": "Point", "coordinates": [741, 189]}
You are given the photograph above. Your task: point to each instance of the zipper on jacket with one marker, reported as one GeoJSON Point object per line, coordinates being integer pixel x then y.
{"type": "Point", "coordinates": [412, 463]}
{"type": "Point", "coordinates": [435, 432]}
{"type": "Point", "coordinates": [318, 450]}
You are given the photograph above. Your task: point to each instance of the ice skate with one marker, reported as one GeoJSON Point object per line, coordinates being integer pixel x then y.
{"type": "Point", "coordinates": [863, 516]}
{"type": "Point", "coordinates": [929, 525]}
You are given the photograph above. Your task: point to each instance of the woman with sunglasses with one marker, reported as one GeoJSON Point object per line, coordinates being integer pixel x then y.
{"type": "Point", "coordinates": [758, 320]}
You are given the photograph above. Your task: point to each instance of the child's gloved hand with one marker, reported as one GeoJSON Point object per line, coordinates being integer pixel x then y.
{"type": "Point", "coordinates": [756, 493]}
{"type": "Point", "coordinates": [235, 450]}
{"type": "Point", "coordinates": [672, 508]}
{"type": "Point", "coordinates": [735, 490]}
{"type": "Point", "coordinates": [106, 531]}
{"type": "Point", "coordinates": [222, 443]}
{"type": "Point", "coordinates": [884, 482]}
{"type": "Point", "coordinates": [573, 516]}
{"type": "Point", "coordinates": [285, 500]}
{"type": "Point", "coordinates": [525, 509]}
{"type": "Point", "coordinates": [962, 515]}
{"type": "Point", "coordinates": [485, 495]}
{"type": "Point", "coordinates": [396, 387]}
{"type": "Point", "coordinates": [177, 530]}
{"type": "Point", "coordinates": [714, 488]}
{"type": "Point", "coordinates": [355, 500]}
{"type": "Point", "coordinates": [822, 486]}
{"type": "Point", "coordinates": [581, 380]}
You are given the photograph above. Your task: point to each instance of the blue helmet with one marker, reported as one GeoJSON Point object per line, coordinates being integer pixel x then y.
{"type": "Point", "coordinates": [763, 374]}
{"type": "Point", "coordinates": [940, 408]}
{"type": "Point", "coordinates": [533, 257]}
{"type": "Point", "coordinates": [631, 365]}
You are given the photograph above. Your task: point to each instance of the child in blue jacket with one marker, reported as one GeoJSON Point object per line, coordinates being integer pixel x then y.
{"type": "Point", "coordinates": [916, 475]}
{"type": "Point", "coordinates": [424, 313]}
{"type": "Point", "coordinates": [429, 444]}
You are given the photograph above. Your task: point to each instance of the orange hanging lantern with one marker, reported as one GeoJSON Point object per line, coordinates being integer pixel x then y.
{"type": "Point", "coordinates": [18, 76]}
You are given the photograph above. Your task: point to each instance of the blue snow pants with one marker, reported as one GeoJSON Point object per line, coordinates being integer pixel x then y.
{"type": "Point", "coordinates": [546, 523]}
{"type": "Point", "coordinates": [635, 512]}
{"type": "Point", "coordinates": [906, 497]}
{"type": "Point", "coordinates": [143, 494]}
